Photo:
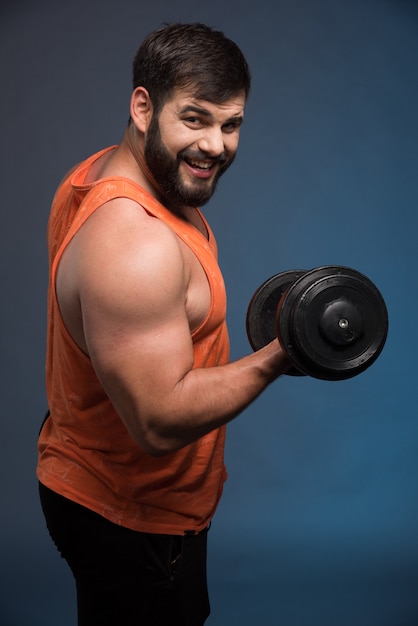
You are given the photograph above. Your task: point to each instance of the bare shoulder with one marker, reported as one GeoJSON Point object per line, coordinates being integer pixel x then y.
{"type": "Point", "coordinates": [122, 242]}
{"type": "Point", "coordinates": [121, 269]}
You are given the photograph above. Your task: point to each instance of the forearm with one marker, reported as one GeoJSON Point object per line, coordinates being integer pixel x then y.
{"type": "Point", "coordinates": [205, 399]}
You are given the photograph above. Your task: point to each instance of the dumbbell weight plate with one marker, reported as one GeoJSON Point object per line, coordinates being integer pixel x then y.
{"type": "Point", "coordinates": [332, 322]}
{"type": "Point", "coordinates": [262, 310]}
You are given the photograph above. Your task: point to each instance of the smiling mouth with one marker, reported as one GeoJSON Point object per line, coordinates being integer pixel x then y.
{"type": "Point", "coordinates": [203, 166]}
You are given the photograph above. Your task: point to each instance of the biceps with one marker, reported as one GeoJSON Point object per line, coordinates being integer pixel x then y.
{"type": "Point", "coordinates": [139, 366]}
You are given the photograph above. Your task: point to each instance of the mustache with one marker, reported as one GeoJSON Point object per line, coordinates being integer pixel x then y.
{"type": "Point", "coordinates": [199, 155]}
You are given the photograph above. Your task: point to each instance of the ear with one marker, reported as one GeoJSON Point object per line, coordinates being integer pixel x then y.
{"type": "Point", "coordinates": [141, 108]}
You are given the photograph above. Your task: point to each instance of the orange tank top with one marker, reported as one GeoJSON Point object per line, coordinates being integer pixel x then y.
{"type": "Point", "coordinates": [85, 452]}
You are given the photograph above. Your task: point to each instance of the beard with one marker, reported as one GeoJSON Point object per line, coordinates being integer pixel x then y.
{"type": "Point", "coordinates": [165, 171]}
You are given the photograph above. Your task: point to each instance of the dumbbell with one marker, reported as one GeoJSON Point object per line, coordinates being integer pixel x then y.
{"type": "Point", "coordinates": [332, 321]}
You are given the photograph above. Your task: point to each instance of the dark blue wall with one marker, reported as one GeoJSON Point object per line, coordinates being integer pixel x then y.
{"type": "Point", "coordinates": [318, 524]}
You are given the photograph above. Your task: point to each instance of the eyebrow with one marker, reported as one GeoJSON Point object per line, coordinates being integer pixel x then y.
{"type": "Point", "coordinates": [193, 108]}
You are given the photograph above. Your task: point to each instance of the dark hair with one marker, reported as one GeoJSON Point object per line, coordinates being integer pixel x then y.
{"type": "Point", "coordinates": [190, 55]}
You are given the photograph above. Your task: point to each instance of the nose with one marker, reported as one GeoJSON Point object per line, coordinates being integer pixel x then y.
{"type": "Point", "coordinates": [212, 142]}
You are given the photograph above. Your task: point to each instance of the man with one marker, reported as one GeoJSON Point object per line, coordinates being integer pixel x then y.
{"type": "Point", "coordinates": [139, 382]}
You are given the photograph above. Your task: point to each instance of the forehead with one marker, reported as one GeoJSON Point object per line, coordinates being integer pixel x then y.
{"type": "Point", "coordinates": [187, 100]}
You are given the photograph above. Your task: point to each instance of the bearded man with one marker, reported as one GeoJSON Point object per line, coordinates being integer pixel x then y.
{"type": "Point", "coordinates": [140, 386]}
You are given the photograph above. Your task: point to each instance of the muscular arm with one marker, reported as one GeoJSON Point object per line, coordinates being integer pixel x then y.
{"type": "Point", "coordinates": [131, 280]}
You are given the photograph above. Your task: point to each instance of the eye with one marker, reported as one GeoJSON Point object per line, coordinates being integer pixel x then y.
{"type": "Point", "coordinates": [231, 127]}
{"type": "Point", "coordinates": [193, 120]}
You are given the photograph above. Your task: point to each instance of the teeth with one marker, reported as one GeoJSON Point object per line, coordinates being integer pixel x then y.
{"type": "Point", "coordinates": [201, 165]}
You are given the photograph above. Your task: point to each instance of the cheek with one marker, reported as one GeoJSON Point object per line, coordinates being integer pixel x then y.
{"type": "Point", "coordinates": [231, 144]}
{"type": "Point", "coordinates": [175, 140]}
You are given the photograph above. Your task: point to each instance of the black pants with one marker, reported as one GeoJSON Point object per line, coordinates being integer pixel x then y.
{"type": "Point", "coordinates": [124, 577]}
